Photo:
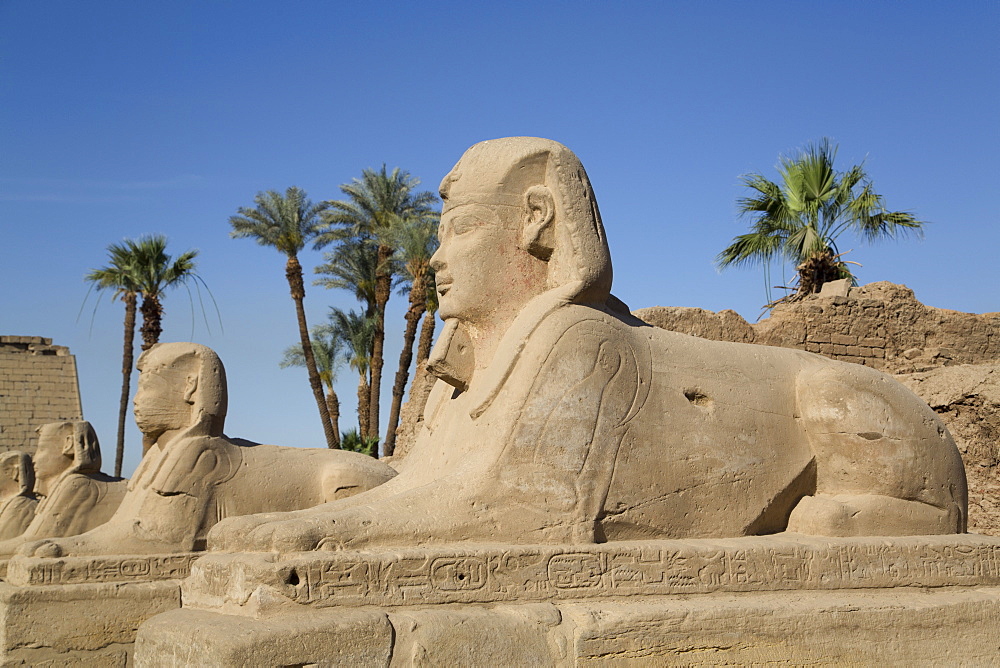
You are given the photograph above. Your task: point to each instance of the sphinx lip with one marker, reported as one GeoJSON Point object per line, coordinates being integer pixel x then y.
{"type": "Point", "coordinates": [443, 287]}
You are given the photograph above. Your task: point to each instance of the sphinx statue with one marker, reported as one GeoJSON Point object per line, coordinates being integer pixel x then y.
{"type": "Point", "coordinates": [17, 498]}
{"type": "Point", "coordinates": [192, 475]}
{"type": "Point", "coordinates": [76, 496]}
{"type": "Point", "coordinates": [560, 418]}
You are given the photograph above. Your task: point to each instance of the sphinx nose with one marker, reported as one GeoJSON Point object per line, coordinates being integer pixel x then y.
{"type": "Point", "coordinates": [437, 261]}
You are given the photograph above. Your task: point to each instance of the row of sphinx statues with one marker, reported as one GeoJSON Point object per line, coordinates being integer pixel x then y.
{"type": "Point", "coordinates": [557, 418]}
{"type": "Point", "coordinates": [59, 492]}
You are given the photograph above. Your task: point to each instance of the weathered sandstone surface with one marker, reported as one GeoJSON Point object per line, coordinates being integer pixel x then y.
{"type": "Point", "coordinates": [948, 358]}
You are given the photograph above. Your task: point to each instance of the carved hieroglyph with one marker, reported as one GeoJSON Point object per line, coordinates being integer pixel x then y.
{"type": "Point", "coordinates": [560, 418]}
{"type": "Point", "coordinates": [17, 498]}
{"type": "Point", "coordinates": [487, 573]}
{"type": "Point", "coordinates": [191, 475]}
{"type": "Point", "coordinates": [783, 599]}
{"type": "Point", "coordinates": [77, 496]}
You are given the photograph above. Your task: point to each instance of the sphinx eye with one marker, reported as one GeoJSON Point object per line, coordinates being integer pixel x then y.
{"type": "Point", "coordinates": [464, 224]}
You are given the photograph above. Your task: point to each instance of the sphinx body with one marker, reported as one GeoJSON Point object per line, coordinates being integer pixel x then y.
{"type": "Point", "coordinates": [560, 418]}
{"type": "Point", "coordinates": [17, 498]}
{"type": "Point", "coordinates": [598, 428]}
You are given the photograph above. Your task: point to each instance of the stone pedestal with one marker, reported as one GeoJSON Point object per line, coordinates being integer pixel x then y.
{"type": "Point", "coordinates": [782, 598]}
{"type": "Point", "coordinates": [84, 610]}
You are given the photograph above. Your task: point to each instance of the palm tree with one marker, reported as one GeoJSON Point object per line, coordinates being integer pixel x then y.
{"type": "Point", "coordinates": [415, 241]}
{"type": "Point", "coordinates": [140, 268]}
{"type": "Point", "coordinates": [154, 272]}
{"type": "Point", "coordinates": [351, 266]}
{"type": "Point", "coordinates": [356, 330]}
{"type": "Point", "coordinates": [328, 350]}
{"type": "Point", "coordinates": [375, 204]}
{"type": "Point", "coordinates": [802, 218]}
{"type": "Point", "coordinates": [288, 222]}
{"type": "Point", "coordinates": [117, 277]}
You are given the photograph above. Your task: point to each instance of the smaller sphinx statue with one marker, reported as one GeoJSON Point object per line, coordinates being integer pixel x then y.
{"type": "Point", "coordinates": [17, 498]}
{"type": "Point", "coordinates": [76, 496]}
{"type": "Point", "coordinates": [192, 476]}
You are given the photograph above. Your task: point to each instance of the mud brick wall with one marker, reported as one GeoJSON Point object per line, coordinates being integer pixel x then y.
{"type": "Point", "coordinates": [881, 325]}
{"type": "Point", "coordinates": [38, 384]}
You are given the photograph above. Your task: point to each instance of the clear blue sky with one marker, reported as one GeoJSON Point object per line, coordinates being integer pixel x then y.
{"type": "Point", "coordinates": [121, 118]}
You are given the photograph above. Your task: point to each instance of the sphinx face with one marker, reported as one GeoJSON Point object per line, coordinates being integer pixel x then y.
{"type": "Point", "coordinates": [49, 460]}
{"type": "Point", "coordinates": [483, 275]}
{"type": "Point", "coordinates": [9, 485]}
{"type": "Point", "coordinates": [475, 256]}
{"type": "Point", "coordinates": [160, 405]}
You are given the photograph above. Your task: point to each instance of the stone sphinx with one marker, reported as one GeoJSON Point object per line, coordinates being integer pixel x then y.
{"type": "Point", "coordinates": [17, 499]}
{"type": "Point", "coordinates": [560, 418]}
{"type": "Point", "coordinates": [191, 475]}
{"type": "Point", "coordinates": [589, 490]}
{"type": "Point", "coordinates": [76, 496]}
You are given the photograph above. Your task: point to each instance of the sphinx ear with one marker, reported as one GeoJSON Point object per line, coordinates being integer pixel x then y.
{"type": "Point", "coordinates": [190, 388]}
{"type": "Point", "coordinates": [69, 445]}
{"type": "Point", "coordinates": [537, 233]}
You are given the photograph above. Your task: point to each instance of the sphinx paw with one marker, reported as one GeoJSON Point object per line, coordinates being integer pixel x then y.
{"type": "Point", "coordinates": [230, 534]}
{"type": "Point", "coordinates": [41, 548]}
{"type": "Point", "coordinates": [298, 535]}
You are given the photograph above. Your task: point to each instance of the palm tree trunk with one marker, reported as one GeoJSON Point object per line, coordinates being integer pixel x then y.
{"type": "Point", "coordinates": [364, 396]}
{"type": "Point", "coordinates": [293, 272]}
{"type": "Point", "coordinates": [417, 308]}
{"type": "Point", "coordinates": [127, 361]}
{"type": "Point", "coordinates": [426, 337]}
{"type": "Point", "coordinates": [333, 407]}
{"type": "Point", "coordinates": [383, 289]}
{"type": "Point", "coordinates": [152, 317]}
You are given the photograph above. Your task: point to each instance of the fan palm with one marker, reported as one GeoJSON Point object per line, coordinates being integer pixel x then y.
{"type": "Point", "coordinates": [117, 277]}
{"type": "Point", "coordinates": [139, 268]}
{"type": "Point", "coordinates": [802, 218]}
{"type": "Point", "coordinates": [375, 204]}
{"type": "Point", "coordinates": [415, 241]}
{"type": "Point", "coordinates": [154, 272]}
{"type": "Point", "coordinates": [288, 222]}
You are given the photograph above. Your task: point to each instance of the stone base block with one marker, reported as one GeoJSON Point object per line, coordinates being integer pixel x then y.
{"type": "Point", "coordinates": [900, 626]}
{"type": "Point", "coordinates": [197, 638]}
{"type": "Point", "coordinates": [84, 611]}
{"type": "Point", "coordinates": [83, 624]}
{"type": "Point", "coordinates": [949, 627]}
{"type": "Point", "coordinates": [786, 599]}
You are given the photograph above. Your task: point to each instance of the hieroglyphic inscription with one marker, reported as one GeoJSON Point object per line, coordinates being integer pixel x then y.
{"type": "Point", "coordinates": [83, 570]}
{"type": "Point", "coordinates": [492, 573]}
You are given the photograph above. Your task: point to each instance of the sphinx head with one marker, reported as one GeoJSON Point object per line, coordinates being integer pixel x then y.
{"type": "Point", "coordinates": [17, 476]}
{"type": "Point", "coordinates": [65, 447]}
{"type": "Point", "coordinates": [182, 386]}
{"type": "Point", "coordinates": [519, 219]}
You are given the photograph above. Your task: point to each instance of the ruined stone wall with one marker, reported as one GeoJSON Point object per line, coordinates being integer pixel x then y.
{"type": "Point", "coordinates": [38, 384]}
{"type": "Point", "coordinates": [881, 325]}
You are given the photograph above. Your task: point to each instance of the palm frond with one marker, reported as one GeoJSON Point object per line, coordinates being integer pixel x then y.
{"type": "Point", "coordinates": [802, 217]}
{"type": "Point", "coordinates": [287, 222]}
